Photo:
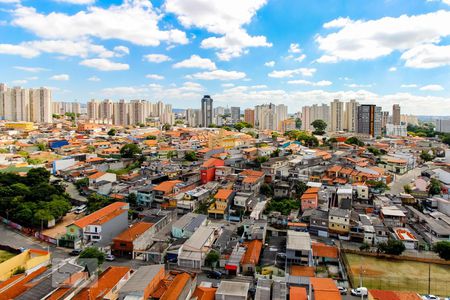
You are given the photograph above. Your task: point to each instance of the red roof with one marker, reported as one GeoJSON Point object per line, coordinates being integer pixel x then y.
{"type": "Point", "coordinates": [166, 186]}
{"type": "Point", "coordinates": [223, 194]}
{"type": "Point", "coordinates": [204, 293]}
{"type": "Point", "coordinates": [97, 175]}
{"type": "Point", "coordinates": [102, 213]}
{"type": "Point", "coordinates": [253, 252]}
{"type": "Point", "coordinates": [177, 286]}
{"type": "Point", "coordinates": [298, 293]}
{"type": "Point", "coordinates": [325, 289]}
{"type": "Point", "coordinates": [323, 250]}
{"type": "Point", "coordinates": [133, 232]}
{"type": "Point", "coordinates": [212, 162]}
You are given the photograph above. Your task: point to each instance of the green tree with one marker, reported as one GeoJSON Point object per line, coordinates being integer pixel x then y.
{"type": "Point", "coordinates": [96, 201]}
{"type": "Point", "coordinates": [150, 137]}
{"type": "Point", "coordinates": [130, 151]}
{"type": "Point", "coordinates": [298, 123]}
{"type": "Point", "coordinates": [300, 187]}
{"type": "Point", "coordinates": [190, 156]}
{"type": "Point", "coordinates": [266, 190]}
{"type": "Point", "coordinates": [166, 127]}
{"type": "Point", "coordinates": [407, 188]}
{"type": "Point", "coordinates": [170, 154]}
{"type": "Point", "coordinates": [379, 185]}
{"type": "Point", "coordinates": [42, 216]}
{"type": "Point", "coordinates": [354, 141]}
{"type": "Point", "coordinates": [81, 183]}
{"type": "Point", "coordinates": [425, 156]}
{"type": "Point", "coordinates": [112, 132]}
{"type": "Point", "coordinates": [132, 199]}
{"type": "Point", "coordinates": [442, 249]}
{"type": "Point", "coordinates": [374, 151]}
{"type": "Point", "coordinates": [42, 146]}
{"type": "Point", "coordinates": [261, 159]}
{"type": "Point", "coordinates": [435, 187]}
{"type": "Point", "coordinates": [38, 175]}
{"type": "Point", "coordinates": [212, 258]}
{"type": "Point", "coordinates": [394, 247]}
{"type": "Point", "coordinates": [93, 252]}
{"type": "Point", "coordinates": [275, 153]}
{"type": "Point", "coordinates": [364, 247]}
{"type": "Point", "coordinates": [319, 126]}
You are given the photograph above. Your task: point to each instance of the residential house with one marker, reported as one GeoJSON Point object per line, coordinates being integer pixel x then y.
{"type": "Point", "coordinates": [277, 167]}
{"type": "Point", "coordinates": [145, 196]}
{"type": "Point", "coordinates": [185, 226]}
{"type": "Point", "coordinates": [222, 172]}
{"type": "Point", "coordinates": [298, 247]}
{"type": "Point", "coordinates": [393, 216]}
{"type": "Point", "coordinates": [345, 197]}
{"type": "Point", "coordinates": [310, 199]}
{"type": "Point", "coordinates": [142, 283]}
{"type": "Point", "coordinates": [339, 221]}
{"type": "Point", "coordinates": [208, 169]}
{"type": "Point", "coordinates": [318, 223]}
{"type": "Point", "coordinates": [232, 290]}
{"type": "Point", "coordinates": [324, 289]}
{"type": "Point", "coordinates": [219, 208]}
{"type": "Point", "coordinates": [193, 252]}
{"type": "Point", "coordinates": [137, 236]}
{"type": "Point", "coordinates": [162, 191]}
{"type": "Point", "coordinates": [101, 176]}
{"type": "Point", "coordinates": [251, 257]}
{"type": "Point", "coordinates": [250, 181]}
{"type": "Point", "coordinates": [181, 287]}
{"type": "Point", "coordinates": [406, 237]}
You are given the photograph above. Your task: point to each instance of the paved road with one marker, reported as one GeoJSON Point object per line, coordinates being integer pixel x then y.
{"type": "Point", "coordinates": [402, 180]}
{"type": "Point", "coordinates": [73, 192]}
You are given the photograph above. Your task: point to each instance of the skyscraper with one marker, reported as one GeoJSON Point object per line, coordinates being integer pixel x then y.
{"type": "Point", "coordinates": [351, 116]}
{"type": "Point", "coordinates": [235, 114]}
{"type": "Point", "coordinates": [337, 116]}
{"type": "Point", "coordinates": [249, 116]}
{"type": "Point", "coordinates": [207, 111]}
{"type": "Point", "coordinates": [396, 114]}
{"type": "Point", "coordinates": [193, 117]}
{"type": "Point", "coordinates": [369, 120]}
{"type": "Point", "coordinates": [120, 112]}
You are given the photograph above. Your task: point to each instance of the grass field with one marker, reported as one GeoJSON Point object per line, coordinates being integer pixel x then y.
{"type": "Point", "coordinates": [385, 274]}
{"type": "Point", "coordinates": [5, 255]}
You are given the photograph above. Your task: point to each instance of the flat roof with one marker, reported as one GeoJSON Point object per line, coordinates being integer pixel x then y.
{"type": "Point", "coordinates": [233, 288]}
{"type": "Point", "coordinates": [298, 240]}
{"type": "Point", "coordinates": [141, 278]}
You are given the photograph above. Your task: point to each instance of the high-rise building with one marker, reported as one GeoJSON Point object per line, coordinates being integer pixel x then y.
{"type": "Point", "coordinates": [207, 111]}
{"type": "Point", "coordinates": [384, 119]}
{"type": "Point", "coordinates": [106, 112]}
{"type": "Point", "coordinates": [369, 120]}
{"type": "Point", "coordinates": [235, 114]}
{"type": "Point", "coordinates": [337, 116]}
{"type": "Point", "coordinates": [396, 114]}
{"type": "Point", "coordinates": [249, 116]}
{"type": "Point", "coordinates": [93, 108]}
{"type": "Point", "coordinates": [351, 116]}
{"type": "Point", "coordinates": [281, 114]}
{"type": "Point", "coordinates": [409, 120]}
{"type": "Point", "coordinates": [120, 113]}
{"type": "Point", "coordinates": [315, 112]}
{"type": "Point", "coordinates": [193, 117]}
{"type": "Point", "coordinates": [443, 125]}
{"type": "Point", "coordinates": [306, 121]}
{"type": "Point", "coordinates": [270, 116]}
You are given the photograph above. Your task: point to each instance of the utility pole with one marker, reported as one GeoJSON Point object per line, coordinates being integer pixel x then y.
{"type": "Point", "coordinates": [429, 279]}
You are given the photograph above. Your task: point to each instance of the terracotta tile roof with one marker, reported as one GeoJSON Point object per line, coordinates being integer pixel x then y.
{"type": "Point", "coordinates": [325, 289]}
{"type": "Point", "coordinates": [133, 232]}
{"type": "Point", "coordinates": [312, 190]}
{"type": "Point", "coordinates": [166, 186]}
{"type": "Point", "coordinates": [303, 271]}
{"type": "Point", "coordinates": [323, 250]}
{"type": "Point", "coordinates": [97, 175]}
{"type": "Point", "coordinates": [298, 293]}
{"type": "Point", "coordinates": [106, 281]}
{"type": "Point", "coordinates": [223, 194]}
{"type": "Point", "coordinates": [94, 159]}
{"type": "Point", "coordinates": [204, 293]}
{"type": "Point", "coordinates": [212, 162]}
{"type": "Point", "coordinates": [393, 295]}
{"type": "Point", "coordinates": [21, 286]}
{"type": "Point", "coordinates": [101, 213]}
{"type": "Point", "coordinates": [253, 252]}
{"type": "Point", "coordinates": [176, 287]}
{"type": "Point", "coordinates": [309, 196]}
{"type": "Point", "coordinates": [249, 172]}
{"type": "Point", "coordinates": [334, 169]}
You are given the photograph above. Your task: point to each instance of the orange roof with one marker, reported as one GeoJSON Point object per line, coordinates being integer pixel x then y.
{"type": "Point", "coordinates": [323, 250]}
{"type": "Point", "coordinates": [99, 214]}
{"type": "Point", "coordinates": [393, 295]}
{"type": "Point", "coordinates": [21, 286]}
{"type": "Point", "coordinates": [106, 281]}
{"type": "Point", "coordinates": [249, 172]}
{"type": "Point", "coordinates": [97, 175]}
{"type": "Point", "coordinates": [253, 252]}
{"type": "Point", "coordinates": [94, 159]}
{"type": "Point", "coordinates": [303, 271]}
{"type": "Point", "coordinates": [223, 194]}
{"type": "Point", "coordinates": [166, 186]}
{"type": "Point", "coordinates": [212, 162]}
{"type": "Point", "coordinates": [204, 293]}
{"type": "Point", "coordinates": [312, 190]}
{"type": "Point", "coordinates": [334, 169]}
{"type": "Point", "coordinates": [309, 196]}
{"type": "Point", "coordinates": [177, 286]}
{"type": "Point", "coordinates": [297, 293]}
{"type": "Point", "coordinates": [130, 234]}
{"type": "Point", "coordinates": [325, 289]}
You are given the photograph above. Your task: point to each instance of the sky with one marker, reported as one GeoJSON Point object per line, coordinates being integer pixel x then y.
{"type": "Point", "coordinates": [241, 52]}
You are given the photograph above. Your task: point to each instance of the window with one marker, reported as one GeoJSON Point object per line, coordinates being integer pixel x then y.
{"type": "Point", "coordinates": [332, 225]}
{"type": "Point", "coordinates": [123, 245]}
{"type": "Point", "coordinates": [343, 227]}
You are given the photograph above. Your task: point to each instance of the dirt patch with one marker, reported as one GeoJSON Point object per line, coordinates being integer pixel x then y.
{"type": "Point", "coordinates": [60, 228]}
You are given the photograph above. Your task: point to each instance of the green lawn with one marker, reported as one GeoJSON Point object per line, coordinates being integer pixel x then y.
{"type": "Point", "coordinates": [384, 274]}
{"type": "Point", "coordinates": [5, 255]}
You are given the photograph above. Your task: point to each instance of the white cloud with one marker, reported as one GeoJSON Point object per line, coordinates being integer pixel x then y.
{"type": "Point", "coordinates": [218, 75]}
{"type": "Point", "coordinates": [81, 2]}
{"type": "Point", "coordinates": [224, 18]}
{"type": "Point", "coordinates": [21, 50]}
{"type": "Point", "coordinates": [290, 73]}
{"type": "Point", "coordinates": [355, 85]}
{"type": "Point", "coordinates": [427, 56]}
{"type": "Point", "coordinates": [432, 88]}
{"type": "Point", "coordinates": [338, 23]}
{"type": "Point", "coordinates": [121, 51]}
{"type": "Point", "coordinates": [294, 48]}
{"type": "Point", "coordinates": [60, 77]}
{"type": "Point", "coordinates": [134, 21]}
{"type": "Point", "coordinates": [19, 81]}
{"type": "Point", "coordinates": [9, 1]}
{"type": "Point", "coordinates": [94, 78]}
{"type": "Point", "coordinates": [30, 69]}
{"type": "Point", "coordinates": [311, 83]}
{"type": "Point", "coordinates": [103, 64]}
{"type": "Point", "coordinates": [300, 58]}
{"type": "Point", "coordinates": [270, 64]}
{"type": "Point", "coordinates": [411, 85]}
{"type": "Point", "coordinates": [154, 76]}
{"type": "Point", "coordinates": [392, 69]}
{"type": "Point", "coordinates": [32, 78]}
{"type": "Point", "coordinates": [364, 40]}
{"type": "Point", "coordinates": [227, 85]}
{"type": "Point", "coordinates": [126, 91]}
{"type": "Point", "coordinates": [196, 61]}
{"type": "Point", "coordinates": [192, 86]}
{"type": "Point", "coordinates": [156, 58]}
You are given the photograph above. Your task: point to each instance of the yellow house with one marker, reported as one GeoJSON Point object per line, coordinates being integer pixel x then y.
{"type": "Point", "coordinates": [20, 125]}
{"type": "Point", "coordinates": [219, 208]}
{"type": "Point", "coordinates": [29, 260]}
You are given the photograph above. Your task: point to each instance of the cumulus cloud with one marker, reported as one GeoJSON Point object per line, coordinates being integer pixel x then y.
{"type": "Point", "coordinates": [94, 78]}
{"type": "Point", "coordinates": [294, 48]}
{"type": "Point", "coordinates": [157, 58]}
{"type": "Point", "coordinates": [30, 69]}
{"type": "Point", "coordinates": [311, 83]}
{"type": "Point", "coordinates": [289, 73]}
{"type": "Point", "coordinates": [270, 64]}
{"type": "Point", "coordinates": [60, 77]}
{"type": "Point", "coordinates": [19, 81]}
{"type": "Point", "coordinates": [365, 40]}
{"type": "Point", "coordinates": [411, 85]}
{"type": "Point", "coordinates": [154, 76]}
{"type": "Point", "coordinates": [196, 61]}
{"type": "Point", "coordinates": [218, 75]}
{"type": "Point", "coordinates": [104, 64]}
{"type": "Point", "coordinates": [134, 21]}
{"type": "Point", "coordinates": [432, 88]}
{"type": "Point", "coordinates": [224, 18]}
{"type": "Point", "coordinates": [80, 2]}
{"type": "Point", "coordinates": [356, 85]}
{"type": "Point", "coordinates": [392, 69]}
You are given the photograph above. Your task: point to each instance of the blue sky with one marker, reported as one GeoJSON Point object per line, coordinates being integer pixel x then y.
{"type": "Point", "coordinates": [242, 52]}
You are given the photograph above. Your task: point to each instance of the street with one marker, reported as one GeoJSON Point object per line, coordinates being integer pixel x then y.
{"type": "Point", "coordinates": [71, 189]}
{"type": "Point", "coordinates": [401, 180]}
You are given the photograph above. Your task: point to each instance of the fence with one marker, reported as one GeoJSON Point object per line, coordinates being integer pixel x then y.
{"type": "Point", "coordinates": [29, 231]}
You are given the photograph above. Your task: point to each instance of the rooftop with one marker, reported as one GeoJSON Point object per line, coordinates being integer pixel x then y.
{"type": "Point", "coordinates": [298, 240]}
{"type": "Point", "coordinates": [233, 288]}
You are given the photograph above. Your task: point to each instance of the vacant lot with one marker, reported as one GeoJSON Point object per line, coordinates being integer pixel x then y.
{"type": "Point", "coordinates": [5, 255]}
{"type": "Point", "coordinates": [384, 274]}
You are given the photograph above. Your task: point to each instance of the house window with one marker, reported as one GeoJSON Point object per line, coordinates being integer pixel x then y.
{"type": "Point", "coordinates": [331, 218]}
{"type": "Point", "coordinates": [332, 225]}
{"type": "Point", "coordinates": [123, 245]}
{"type": "Point", "coordinates": [345, 220]}
{"type": "Point", "coordinates": [343, 226]}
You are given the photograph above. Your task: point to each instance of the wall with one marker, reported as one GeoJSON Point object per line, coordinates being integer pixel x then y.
{"type": "Point", "coordinates": [27, 259]}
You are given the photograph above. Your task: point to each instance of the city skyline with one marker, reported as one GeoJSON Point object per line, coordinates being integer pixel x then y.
{"type": "Point", "coordinates": [294, 53]}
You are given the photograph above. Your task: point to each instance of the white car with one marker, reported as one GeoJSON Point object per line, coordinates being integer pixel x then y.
{"type": "Point", "coordinates": [430, 297]}
{"type": "Point", "coordinates": [361, 291]}
{"type": "Point", "coordinates": [342, 290]}
{"type": "Point", "coordinates": [110, 257]}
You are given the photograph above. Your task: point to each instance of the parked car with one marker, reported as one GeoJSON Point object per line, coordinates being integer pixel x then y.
{"type": "Point", "coordinates": [75, 252]}
{"type": "Point", "coordinates": [361, 291]}
{"type": "Point", "coordinates": [110, 257]}
{"type": "Point", "coordinates": [214, 275]}
{"type": "Point", "coordinates": [430, 297]}
{"type": "Point", "coordinates": [342, 290]}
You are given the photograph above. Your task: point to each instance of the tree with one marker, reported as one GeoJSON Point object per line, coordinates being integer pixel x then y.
{"type": "Point", "coordinates": [435, 187]}
{"type": "Point", "coordinates": [170, 154]}
{"type": "Point", "coordinates": [374, 151]}
{"type": "Point", "coordinates": [446, 139]}
{"type": "Point", "coordinates": [130, 150]}
{"type": "Point", "coordinates": [407, 188]}
{"type": "Point", "coordinates": [319, 126]}
{"type": "Point", "coordinates": [354, 141]}
{"type": "Point", "coordinates": [300, 187]}
{"type": "Point", "coordinates": [212, 258]}
{"type": "Point", "coordinates": [150, 137]}
{"type": "Point", "coordinates": [38, 175]}
{"type": "Point", "coordinates": [42, 146]}
{"type": "Point", "coordinates": [132, 199]}
{"type": "Point", "coordinates": [266, 190]}
{"type": "Point", "coordinates": [393, 247]}
{"type": "Point", "coordinates": [275, 153]}
{"type": "Point", "coordinates": [190, 156]}
{"type": "Point", "coordinates": [364, 247]}
{"type": "Point", "coordinates": [442, 249]}
{"type": "Point", "coordinates": [166, 127]}
{"type": "Point", "coordinates": [112, 132]}
{"type": "Point", "coordinates": [425, 156]}
{"type": "Point", "coordinates": [42, 215]}
{"type": "Point", "coordinates": [261, 159]}
{"type": "Point", "coordinates": [93, 252]}
{"type": "Point", "coordinates": [81, 183]}
{"type": "Point", "coordinates": [379, 185]}
{"type": "Point", "coordinates": [96, 201]}
{"type": "Point", "coordinates": [298, 123]}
